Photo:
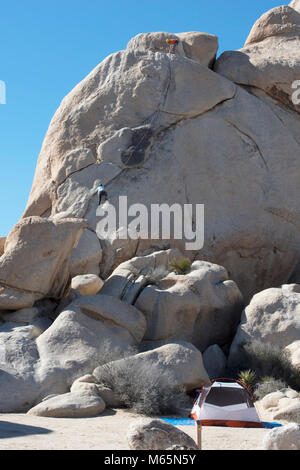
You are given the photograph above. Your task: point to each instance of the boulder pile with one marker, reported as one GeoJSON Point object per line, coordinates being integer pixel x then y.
{"type": "Point", "coordinates": [167, 127]}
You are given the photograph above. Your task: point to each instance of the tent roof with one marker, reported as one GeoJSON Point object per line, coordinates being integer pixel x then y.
{"type": "Point", "coordinates": [228, 384]}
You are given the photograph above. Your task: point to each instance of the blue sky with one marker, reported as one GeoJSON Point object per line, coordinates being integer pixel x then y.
{"type": "Point", "coordinates": [48, 47]}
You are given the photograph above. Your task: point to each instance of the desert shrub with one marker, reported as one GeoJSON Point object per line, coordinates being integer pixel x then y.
{"type": "Point", "coordinates": [157, 274]}
{"type": "Point", "coordinates": [268, 360]}
{"type": "Point", "coordinates": [181, 265]}
{"type": "Point", "coordinates": [268, 385]}
{"type": "Point", "coordinates": [143, 388]}
{"type": "Point", "coordinates": [247, 378]}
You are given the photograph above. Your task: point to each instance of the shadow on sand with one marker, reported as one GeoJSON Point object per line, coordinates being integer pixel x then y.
{"type": "Point", "coordinates": [9, 430]}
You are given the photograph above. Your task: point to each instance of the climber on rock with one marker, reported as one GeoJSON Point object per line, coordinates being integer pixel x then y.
{"type": "Point", "coordinates": [102, 193]}
{"type": "Point", "coordinates": [172, 43]}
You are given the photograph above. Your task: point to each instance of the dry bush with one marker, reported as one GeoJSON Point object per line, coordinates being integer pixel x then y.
{"type": "Point", "coordinates": [268, 360]}
{"type": "Point", "coordinates": [157, 274]}
{"type": "Point", "coordinates": [143, 388]}
{"type": "Point", "coordinates": [268, 385]}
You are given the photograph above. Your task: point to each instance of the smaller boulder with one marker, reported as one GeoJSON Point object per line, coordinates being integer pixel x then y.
{"type": "Point", "coordinates": [109, 397]}
{"type": "Point", "coordinates": [283, 405]}
{"type": "Point", "coordinates": [70, 405]}
{"type": "Point", "coordinates": [84, 387]}
{"type": "Point", "coordinates": [87, 284]}
{"type": "Point", "coordinates": [13, 299]}
{"type": "Point", "coordinates": [272, 400]}
{"type": "Point", "coordinates": [289, 410]}
{"type": "Point", "coordinates": [87, 383]}
{"type": "Point", "coordinates": [292, 394]}
{"type": "Point", "coordinates": [180, 363]}
{"type": "Point", "coordinates": [284, 438]}
{"type": "Point", "coordinates": [200, 47]}
{"type": "Point", "coordinates": [214, 361]}
{"type": "Point", "coordinates": [155, 434]}
{"type": "Point", "coordinates": [25, 315]}
{"type": "Point", "coordinates": [87, 256]}
{"type": "Point", "coordinates": [88, 378]}
{"type": "Point", "coordinates": [294, 352]}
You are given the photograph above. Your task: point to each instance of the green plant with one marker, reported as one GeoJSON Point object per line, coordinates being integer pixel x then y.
{"type": "Point", "coordinates": [247, 378]}
{"type": "Point", "coordinates": [181, 265]}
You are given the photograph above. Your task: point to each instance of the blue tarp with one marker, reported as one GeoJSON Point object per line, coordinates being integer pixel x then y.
{"type": "Point", "coordinates": [180, 421]}
{"type": "Point", "coordinates": [191, 422]}
{"type": "Point", "coordinates": [272, 425]}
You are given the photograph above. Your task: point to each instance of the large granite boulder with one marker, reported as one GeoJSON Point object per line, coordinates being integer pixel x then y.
{"type": "Point", "coordinates": [201, 306]}
{"type": "Point", "coordinates": [164, 128]}
{"type": "Point", "coordinates": [180, 362]}
{"type": "Point", "coordinates": [273, 316]}
{"type": "Point", "coordinates": [18, 357]}
{"type": "Point", "coordinates": [296, 5]}
{"type": "Point", "coordinates": [270, 58]}
{"type": "Point", "coordinates": [36, 363]}
{"type": "Point", "coordinates": [160, 128]}
{"type": "Point", "coordinates": [35, 264]}
{"type": "Point", "coordinates": [79, 338]}
{"type": "Point", "coordinates": [201, 47]}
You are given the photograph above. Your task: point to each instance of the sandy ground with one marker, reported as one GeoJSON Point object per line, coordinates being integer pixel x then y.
{"type": "Point", "coordinates": [105, 432]}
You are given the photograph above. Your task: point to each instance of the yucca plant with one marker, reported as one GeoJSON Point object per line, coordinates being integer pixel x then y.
{"type": "Point", "coordinates": [181, 265]}
{"type": "Point", "coordinates": [247, 378]}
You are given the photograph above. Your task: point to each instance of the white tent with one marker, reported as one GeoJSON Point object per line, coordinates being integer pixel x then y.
{"type": "Point", "coordinates": [225, 403]}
